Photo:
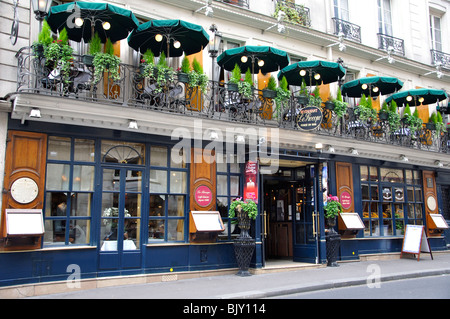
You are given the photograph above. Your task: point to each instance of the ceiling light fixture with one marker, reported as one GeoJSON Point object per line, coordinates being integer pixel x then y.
{"type": "Point", "coordinates": [132, 124]}
{"type": "Point", "coordinates": [35, 113]}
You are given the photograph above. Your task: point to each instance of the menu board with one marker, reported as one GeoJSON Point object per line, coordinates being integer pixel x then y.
{"type": "Point", "coordinates": [415, 241]}
{"type": "Point", "coordinates": [24, 222]}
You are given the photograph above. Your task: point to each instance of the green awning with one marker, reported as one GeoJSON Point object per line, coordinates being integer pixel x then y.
{"type": "Point", "coordinates": [274, 59]}
{"type": "Point", "coordinates": [329, 72]}
{"type": "Point", "coordinates": [418, 96]}
{"type": "Point", "coordinates": [384, 85]}
{"type": "Point", "coordinates": [192, 37]}
{"type": "Point", "coordinates": [122, 21]}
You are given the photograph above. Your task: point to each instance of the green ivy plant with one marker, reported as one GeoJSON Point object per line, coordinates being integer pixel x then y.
{"type": "Point", "coordinates": [44, 39]}
{"type": "Point", "coordinates": [298, 15]}
{"type": "Point", "coordinates": [197, 77]}
{"type": "Point", "coordinates": [364, 110]}
{"type": "Point", "coordinates": [340, 107]}
{"type": "Point", "coordinates": [163, 74]}
{"type": "Point", "coordinates": [413, 121]}
{"type": "Point", "coordinates": [440, 126]}
{"type": "Point", "coordinates": [283, 94]}
{"type": "Point", "coordinates": [246, 85]}
{"type": "Point", "coordinates": [394, 119]}
{"type": "Point", "coordinates": [58, 55]}
{"type": "Point", "coordinates": [106, 62]}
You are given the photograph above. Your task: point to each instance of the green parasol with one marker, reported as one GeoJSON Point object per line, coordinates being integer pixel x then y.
{"type": "Point", "coordinates": [173, 37]}
{"type": "Point", "coordinates": [371, 86]}
{"type": "Point", "coordinates": [312, 72]}
{"type": "Point", "coordinates": [81, 19]}
{"type": "Point", "coordinates": [256, 58]}
{"type": "Point", "coordinates": [417, 97]}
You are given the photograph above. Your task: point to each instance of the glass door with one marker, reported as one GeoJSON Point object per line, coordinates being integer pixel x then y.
{"type": "Point", "coordinates": [120, 228]}
{"type": "Point", "coordinates": [306, 215]}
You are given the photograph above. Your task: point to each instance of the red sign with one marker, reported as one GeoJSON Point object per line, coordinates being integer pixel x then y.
{"type": "Point", "coordinates": [251, 178]}
{"type": "Point", "coordinates": [203, 196]}
{"type": "Point", "coordinates": [346, 200]}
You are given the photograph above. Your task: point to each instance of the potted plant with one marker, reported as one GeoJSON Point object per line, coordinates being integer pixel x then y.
{"type": "Point", "coordinates": [393, 117]}
{"type": "Point", "coordinates": [246, 85]}
{"type": "Point", "coordinates": [383, 115]}
{"type": "Point", "coordinates": [244, 245]}
{"type": "Point", "coordinates": [332, 209]}
{"type": "Point", "coordinates": [364, 110]}
{"type": "Point", "coordinates": [329, 104]}
{"type": "Point", "coordinates": [440, 126]}
{"type": "Point", "coordinates": [183, 75]}
{"type": "Point", "coordinates": [283, 95]}
{"type": "Point", "coordinates": [431, 125]}
{"type": "Point", "coordinates": [413, 121]}
{"type": "Point", "coordinates": [235, 78]}
{"type": "Point", "coordinates": [315, 99]}
{"type": "Point", "coordinates": [44, 40]}
{"type": "Point", "coordinates": [162, 73]}
{"type": "Point", "coordinates": [58, 55]}
{"type": "Point", "coordinates": [106, 62]}
{"type": "Point", "coordinates": [303, 99]}
{"type": "Point", "coordinates": [147, 64]}
{"type": "Point", "coordinates": [340, 107]}
{"type": "Point", "coordinates": [95, 46]}
{"type": "Point", "coordinates": [270, 91]}
{"type": "Point", "coordinates": [197, 78]}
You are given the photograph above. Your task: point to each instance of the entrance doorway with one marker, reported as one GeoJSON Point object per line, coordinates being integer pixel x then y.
{"type": "Point", "coordinates": [290, 215]}
{"type": "Point", "coordinates": [120, 231]}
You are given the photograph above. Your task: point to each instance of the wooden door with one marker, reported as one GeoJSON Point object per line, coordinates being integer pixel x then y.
{"type": "Point", "coordinates": [203, 181]}
{"type": "Point", "coordinates": [25, 157]}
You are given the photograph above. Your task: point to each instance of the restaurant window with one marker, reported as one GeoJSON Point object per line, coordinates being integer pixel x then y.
{"type": "Point", "coordinates": [228, 188]}
{"type": "Point", "coordinates": [387, 194]}
{"type": "Point", "coordinates": [168, 194]}
{"type": "Point", "coordinates": [69, 191]}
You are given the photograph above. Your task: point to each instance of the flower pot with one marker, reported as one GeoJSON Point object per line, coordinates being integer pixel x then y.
{"type": "Point", "coordinates": [38, 50]}
{"type": "Point", "coordinates": [183, 77]}
{"type": "Point", "coordinates": [244, 222]}
{"type": "Point", "coordinates": [302, 99]}
{"type": "Point", "coordinates": [88, 60]}
{"type": "Point", "coordinates": [430, 126]}
{"type": "Point", "coordinates": [232, 87]}
{"type": "Point", "coordinates": [329, 105]}
{"type": "Point", "coordinates": [243, 250]}
{"type": "Point", "coordinates": [383, 116]}
{"type": "Point", "coordinates": [269, 94]}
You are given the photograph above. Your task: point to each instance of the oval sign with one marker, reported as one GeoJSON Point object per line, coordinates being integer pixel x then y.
{"type": "Point", "coordinates": [309, 118]}
{"type": "Point", "coordinates": [346, 200]}
{"type": "Point", "coordinates": [203, 196]}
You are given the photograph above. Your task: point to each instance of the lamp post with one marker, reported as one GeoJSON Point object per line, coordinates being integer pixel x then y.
{"type": "Point", "coordinates": [215, 40]}
{"type": "Point", "coordinates": [41, 8]}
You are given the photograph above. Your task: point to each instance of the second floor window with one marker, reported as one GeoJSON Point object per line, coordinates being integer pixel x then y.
{"type": "Point", "coordinates": [341, 10]}
{"type": "Point", "coordinates": [436, 33]}
{"type": "Point", "coordinates": [384, 17]}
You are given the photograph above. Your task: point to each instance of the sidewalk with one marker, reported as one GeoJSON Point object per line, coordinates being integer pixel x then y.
{"type": "Point", "coordinates": [273, 284]}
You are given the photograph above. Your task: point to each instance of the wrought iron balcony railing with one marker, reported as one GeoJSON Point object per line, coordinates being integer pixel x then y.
{"type": "Point", "coordinates": [295, 13]}
{"type": "Point", "coordinates": [440, 58]}
{"type": "Point", "coordinates": [218, 102]}
{"type": "Point", "coordinates": [239, 3]}
{"type": "Point", "coordinates": [349, 30]}
{"type": "Point", "coordinates": [386, 42]}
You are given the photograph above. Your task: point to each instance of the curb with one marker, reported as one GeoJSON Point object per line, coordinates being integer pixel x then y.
{"type": "Point", "coordinates": [274, 292]}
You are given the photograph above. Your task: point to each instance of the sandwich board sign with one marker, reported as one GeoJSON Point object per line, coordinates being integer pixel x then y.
{"type": "Point", "coordinates": [415, 241]}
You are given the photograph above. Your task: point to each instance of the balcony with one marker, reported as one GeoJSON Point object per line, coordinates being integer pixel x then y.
{"type": "Point", "coordinates": [296, 14]}
{"type": "Point", "coordinates": [239, 3]}
{"type": "Point", "coordinates": [349, 30]}
{"type": "Point", "coordinates": [440, 58]}
{"type": "Point", "coordinates": [387, 42]}
{"type": "Point", "coordinates": [218, 103]}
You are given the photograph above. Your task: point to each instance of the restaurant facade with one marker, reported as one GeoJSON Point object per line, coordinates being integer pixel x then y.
{"type": "Point", "coordinates": [107, 177]}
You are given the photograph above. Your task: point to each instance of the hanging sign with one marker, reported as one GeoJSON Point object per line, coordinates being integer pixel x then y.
{"type": "Point", "coordinates": [415, 241]}
{"type": "Point", "coordinates": [251, 181]}
{"type": "Point", "coordinates": [309, 118]}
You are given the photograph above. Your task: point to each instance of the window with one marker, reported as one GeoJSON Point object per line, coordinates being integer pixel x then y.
{"type": "Point", "coordinates": [436, 33]}
{"type": "Point", "coordinates": [228, 188]}
{"type": "Point", "coordinates": [69, 191]}
{"type": "Point", "coordinates": [168, 194]}
{"type": "Point", "coordinates": [341, 10]}
{"type": "Point", "coordinates": [384, 17]}
{"type": "Point", "coordinates": [387, 194]}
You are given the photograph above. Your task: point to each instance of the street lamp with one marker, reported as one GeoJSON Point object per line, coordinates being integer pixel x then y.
{"type": "Point", "coordinates": [41, 8]}
{"type": "Point", "coordinates": [215, 40]}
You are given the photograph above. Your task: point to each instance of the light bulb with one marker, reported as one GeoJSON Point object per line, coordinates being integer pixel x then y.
{"type": "Point", "coordinates": [261, 63]}
{"type": "Point", "coordinates": [177, 44]}
{"type": "Point", "coordinates": [302, 72]}
{"type": "Point", "coordinates": [317, 76]}
{"type": "Point", "coordinates": [106, 25]}
{"type": "Point", "coordinates": [158, 38]}
{"type": "Point", "coordinates": [244, 59]}
{"type": "Point", "coordinates": [79, 22]}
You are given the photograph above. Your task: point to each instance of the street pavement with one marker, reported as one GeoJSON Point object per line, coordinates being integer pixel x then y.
{"type": "Point", "coordinates": [372, 273]}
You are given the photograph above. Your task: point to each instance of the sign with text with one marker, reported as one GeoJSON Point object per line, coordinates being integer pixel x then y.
{"type": "Point", "coordinates": [251, 181]}
{"type": "Point", "coordinates": [309, 118]}
{"type": "Point", "coordinates": [203, 196]}
{"type": "Point", "coordinates": [346, 200]}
